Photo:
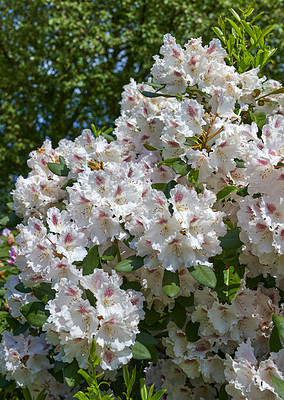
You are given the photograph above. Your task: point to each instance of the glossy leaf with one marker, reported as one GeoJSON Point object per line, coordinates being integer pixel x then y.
{"type": "Point", "coordinates": [170, 283]}
{"type": "Point", "coordinates": [58, 169]}
{"type": "Point", "coordinates": [130, 264]}
{"type": "Point", "coordinates": [35, 313]}
{"type": "Point", "coordinates": [225, 192]}
{"type": "Point", "coordinates": [204, 275]}
{"type": "Point", "coordinates": [231, 240]}
{"type": "Point", "coordinates": [140, 352]}
{"type": "Point", "coordinates": [91, 261]}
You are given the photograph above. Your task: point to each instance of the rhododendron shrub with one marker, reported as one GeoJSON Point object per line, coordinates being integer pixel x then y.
{"type": "Point", "coordinates": [161, 242]}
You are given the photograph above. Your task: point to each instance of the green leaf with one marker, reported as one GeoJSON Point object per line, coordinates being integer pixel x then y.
{"type": "Point", "coordinates": [58, 169]}
{"type": "Point", "coordinates": [68, 183]}
{"type": "Point", "coordinates": [110, 253]}
{"type": "Point", "coordinates": [81, 396]}
{"type": "Point", "coordinates": [62, 160]}
{"type": "Point", "coordinates": [279, 323]}
{"type": "Point", "coordinates": [21, 288]}
{"type": "Point", "coordinates": [249, 30]}
{"type": "Point", "coordinates": [191, 331]}
{"type": "Point", "coordinates": [186, 301]}
{"type": "Point", "coordinates": [27, 394]}
{"type": "Point", "coordinates": [153, 94]}
{"type": "Point", "coordinates": [178, 315]}
{"type": "Point", "coordinates": [231, 240]}
{"type": "Point", "coordinates": [42, 395]}
{"type": "Point", "coordinates": [71, 375]}
{"type": "Point", "coordinates": [109, 138]}
{"type": "Point", "coordinates": [151, 316]}
{"type": "Point", "coordinates": [235, 14]}
{"type": "Point", "coordinates": [180, 167]}
{"type": "Point", "coordinates": [145, 338]}
{"type": "Point", "coordinates": [274, 341]}
{"type": "Point", "coordinates": [225, 192]}
{"type": "Point", "coordinates": [219, 33]}
{"type": "Point", "coordinates": [35, 313]}
{"type": "Point", "coordinates": [259, 119]}
{"type": "Point", "coordinates": [158, 394]}
{"type": "Point", "coordinates": [158, 186]}
{"type": "Point", "coordinates": [232, 280]}
{"type": "Point", "coordinates": [168, 162]}
{"type": "Point", "coordinates": [130, 264]}
{"type": "Point", "coordinates": [235, 26]}
{"type": "Point", "coordinates": [91, 261]}
{"type": "Point", "coordinates": [276, 91]}
{"type": "Point", "coordinates": [279, 386]}
{"type": "Point", "coordinates": [204, 275]}
{"type": "Point", "coordinates": [152, 148]}
{"type": "Point", "coordinates": [156, 85]}
{"type": "Point", "coordinates": [11, 220]}
{"type": "Point", "coordinates": [170, 283]}
{"type": "Point", "coordinates": [143, 389]}
{"type": "Point", "coordinates": [43, 292]}
{"type": "Point", "coordinates": [140, 352]}
{"type": "Point", "coordinates": [223, 395]}
{"type": "Point", "coordinates": [169, 186]}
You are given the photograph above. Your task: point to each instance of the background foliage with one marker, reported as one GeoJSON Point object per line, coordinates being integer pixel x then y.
{"type": "Point", "coordinates": [63, 64]}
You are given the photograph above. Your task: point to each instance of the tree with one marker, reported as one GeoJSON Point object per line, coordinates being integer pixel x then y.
{"type": "Point", "coordinates": [63, 64]}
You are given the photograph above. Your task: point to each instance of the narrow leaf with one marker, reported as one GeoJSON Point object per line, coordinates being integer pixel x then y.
{"type": "Point", "coordinates": [225, 192]}
{"type": "Point", "coordinates": [274, 341]}
{"type": "Point", "coordinates": [279, 386]}
{"type": "Point", "coordinates": [279, 323]}
{"type": "Point", "coordinates": [152, 148]}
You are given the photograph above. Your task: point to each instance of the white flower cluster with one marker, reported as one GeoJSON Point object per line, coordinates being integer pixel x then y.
{"type": "Point", "coordinates": [191, 163]}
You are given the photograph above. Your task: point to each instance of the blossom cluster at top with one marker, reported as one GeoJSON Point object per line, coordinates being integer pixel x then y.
{"type": "Point", "coordinates": [153, 194]}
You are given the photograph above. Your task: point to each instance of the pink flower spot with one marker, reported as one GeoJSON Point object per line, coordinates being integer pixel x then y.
{"type": "Point", "coordinates": [172, 143]}
{"type": "Point", "coordinates": [83, 200]}
{"type": "Point", "coordinates": [127, 159]}
{"type": "Point", "coordinates": [118, 191]}
{"type": "Point", "coordinates": [130, 172]}
{"type": "Point", "coordinates": [192, 111]}
{"type": "Point", "coordinates": [77, 158]}
{"type": "Point", "coordinates": [33, 190]}
{"type": "Point", "coordinates": [134, 301]}
{"type": "Point", "coordinates": [282, 234]}
{"type": "Point", "coordinates": [270, 208]}
{"type": "Point", "coordinates": [175, 53]}
{"type": "Point", "coordinates": [177, 73]}
{"type": "Point", "coordinates": [281, 177]}
{"type": "Point", "coordinates": [174, 241]}
{"type": "Point", "coordinates": [277, 124]}
{"type": "Point", "coordinates": [144, 137]}
{"type": "Point", "coordinates": [41, 247]}
{"type": "Point", "coordinates": [160, 201]}
{"type": "Point", "coordinates": [181, 272]}
{"type": "Point", "coordinates": [162, 221]}
{"type": "Point", "coordinates": [178, 197]}
{"type": "Point", "coordinates": [43, 161]}
{"type": "Point", "coordinates": [109, 292]}
{"type": "Point", "coordinates": [129, 124]}
{"type": "Point", "coordinates": [260, 227]}
{"type": "Point", "coordinates": [191, 62]}
{"type": "Point", "coordinates": [61, 265]}
{"type": "Point", "coordinates": [54, 219]}
{"type": "Point", "coordinates": [109, 357]}
{"type": "Point", "coordinates": [68, 238]}
{"type": "Point", "coordinates": [88, 139]}
{"type": "Point", "coordinates": [194, 219]}
{"type": "Point", "coordinates": [99, 180]}
{"type": "Point", "coordinates": [211, 49]}
{"type": "Point", "coordinates": [139, 222]}
{"type": "Point", "coordinates": [262, 162]}
{"type": "Point", "coordinates": [83, 310]}
{"type": "Point", "coordinates": [131, 98]}
{"type": "Point", "coordinates": [103, 214]}
{"type": "Point", "coordinates": [145, 111]}
{"type": "Point", "coordinates": [37, 227]}
{"type": "Point", "coordinates": [71, 292]}
{"type": "Point", "coordinates": [174, 124]}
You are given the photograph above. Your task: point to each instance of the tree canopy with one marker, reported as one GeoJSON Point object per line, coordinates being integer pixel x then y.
{"type": "Point", "coordinates": [63, 64]}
